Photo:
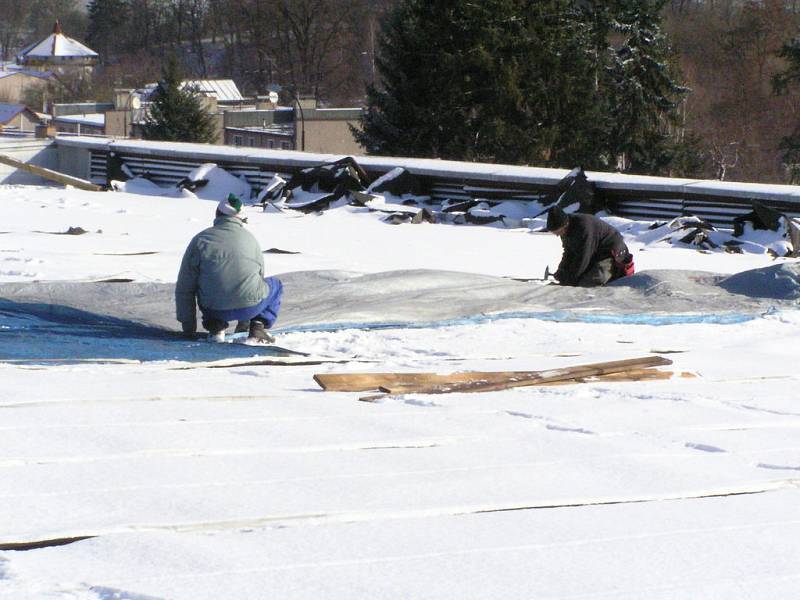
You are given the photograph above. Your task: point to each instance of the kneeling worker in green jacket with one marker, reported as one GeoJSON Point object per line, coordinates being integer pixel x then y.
{"type": "Point", "coordinates": [223, 272]}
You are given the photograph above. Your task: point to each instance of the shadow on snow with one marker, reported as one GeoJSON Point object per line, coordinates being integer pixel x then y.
{"type": "Point", "coordinates": [32, 332]}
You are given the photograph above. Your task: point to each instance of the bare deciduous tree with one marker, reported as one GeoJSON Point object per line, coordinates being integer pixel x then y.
{"type": "Point", "coordinates": [729, 56]}
{"type": "Point", "coordinates": [724, 157]}
{"type": "Point", "coordinates": [13, 26]}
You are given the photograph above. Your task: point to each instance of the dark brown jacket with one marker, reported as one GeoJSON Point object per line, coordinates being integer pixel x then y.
{"type": "Point", "coordinates": [587, 241]}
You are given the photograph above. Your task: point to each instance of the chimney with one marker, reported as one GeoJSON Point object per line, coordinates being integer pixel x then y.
{"type": "Point", "coordinates": [57, 28]}
{"type": "Point", "coordinates": [209, 102]}
{"type": "Point", "coordinates": [45, 131]}
{"type": "Point", "coordinates": [264, 103]}
{"type": "Point", "coordinates": [122, 99]}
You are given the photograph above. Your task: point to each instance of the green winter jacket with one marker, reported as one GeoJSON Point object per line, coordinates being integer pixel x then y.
{"type": "Point", "coordinates": [223, 268]}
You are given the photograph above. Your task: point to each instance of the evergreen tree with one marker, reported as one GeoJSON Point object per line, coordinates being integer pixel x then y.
{"type": "Point", "coordinates": [564, 117]}
{"type": "Point", "coordinates": [499, 80]}
{"type": "Point", "coordinates": [643, 92]}
{"type": "Point", "coordinates": [422, 108]}
{"type": "Point", "coordinates": [525, 81]}
{"type": "Point", "coordinates": [176, 113]}
{"type": "Point", "coordinates": [782, 83]}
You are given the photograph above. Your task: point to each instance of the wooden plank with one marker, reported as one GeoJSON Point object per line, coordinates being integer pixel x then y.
{"type": "Point", "coordinates": [622, 377]}
{"type": "Point", "coordinates": [37, 544]}
{"type": "Point", "coordinates": [632, 375]}
{"type": "Point", "coordinates": [531, 378]}
{"type": "Point", "coordinates": [362, 382]}
{"type": "Point", "coordinates": [51, 175]}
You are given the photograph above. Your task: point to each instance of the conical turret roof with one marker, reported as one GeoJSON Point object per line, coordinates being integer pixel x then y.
{"type": "Point", "coordinates": [57, 45]}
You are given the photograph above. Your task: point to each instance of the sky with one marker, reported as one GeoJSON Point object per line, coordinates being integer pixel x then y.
{"type": "Point", "coordinates": [166, 469]}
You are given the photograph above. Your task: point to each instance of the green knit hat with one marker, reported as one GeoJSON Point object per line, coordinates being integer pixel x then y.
{"type": "Point", "coordinates": [231, 206]}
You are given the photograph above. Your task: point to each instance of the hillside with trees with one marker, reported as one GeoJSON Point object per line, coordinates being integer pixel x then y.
{"type": "Point", "coordinates": [730, 52]}
{"type": "Point", "coordinates": [502, 83]}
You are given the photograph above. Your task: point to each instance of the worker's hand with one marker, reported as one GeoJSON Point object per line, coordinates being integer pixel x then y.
{"type": "Point", "coordinates": [189, 327]}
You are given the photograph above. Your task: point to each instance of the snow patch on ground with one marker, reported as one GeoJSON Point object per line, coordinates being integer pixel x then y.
{"type": "Point", "coordinates": [251, 482]}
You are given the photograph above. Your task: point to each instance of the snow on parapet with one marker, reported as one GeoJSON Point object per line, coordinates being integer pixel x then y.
{"type": "Point", "coordinates": [448, 170]}
{"type": "Point", "coordinates": [437, 167]}
{"type": "Point", "coordinates": [208, 182]}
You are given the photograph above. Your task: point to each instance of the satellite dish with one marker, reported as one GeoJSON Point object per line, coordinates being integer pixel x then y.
{"type": "Point", "coordinates": [136, 103]}
{"type": "Point", "coordinates": [273, 97]}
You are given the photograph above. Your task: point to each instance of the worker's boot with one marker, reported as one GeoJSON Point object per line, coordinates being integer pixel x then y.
{"type": "Point", "coordinates": [258, 333]}
{"type": "Point", "coordinates": [216, 329]}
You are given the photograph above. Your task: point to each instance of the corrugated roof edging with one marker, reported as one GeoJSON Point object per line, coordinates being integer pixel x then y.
{"type": "Point", "coordinates": [206, 152]}
{"type": "Point", "coordinates": [538, 176]}
{"type": "Point", "coordinates": [692, 187]}
{"type": "Point", "coordinates": [420, 166]}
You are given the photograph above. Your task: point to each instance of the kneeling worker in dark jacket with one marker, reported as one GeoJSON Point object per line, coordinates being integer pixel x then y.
{"type": "Point", "coordinates": [594, 252]}
{"type": "Point", "coordinates": [223, 270]}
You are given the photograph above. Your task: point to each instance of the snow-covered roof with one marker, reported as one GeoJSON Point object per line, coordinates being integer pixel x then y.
{"type": "Point", "coordinates": [9, 111]}
{"type": "Point", "coordinates": [397, 492]}
{"type": "Point", "coordinates": [224, 89]}
{"type": "Point", "coordinates": [275, 130]}
{"type": "Point", "coordinates": [57, 45]}
{"type": "Point", "coordinates": [10, 70]}
{"type": "Point", "coordinates": [94, 119]}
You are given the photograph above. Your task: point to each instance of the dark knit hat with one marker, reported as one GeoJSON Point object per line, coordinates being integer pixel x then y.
{"type": "Point", "coordinates": [231, 206]}
{"type": "Point", "coordinates": [556, 218]}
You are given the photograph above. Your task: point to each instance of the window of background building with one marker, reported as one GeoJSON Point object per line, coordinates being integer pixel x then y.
{"type": "Point", "coordinates": [237, 140]}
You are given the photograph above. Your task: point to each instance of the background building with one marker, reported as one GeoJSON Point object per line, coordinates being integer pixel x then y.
{"type": "Point", "coordinates": [60, 54]}
{"type": "Point", "coordinates": [16, 81]}
{"type": "Point", "coordinates": [247, 122]}
{"type": "Point", "coordinates": [327, 130]}
{"type": "Point", "coordinates": [18, 118]}
{"type": "Point", "coordinates": [271, 128]}
{"type": "Point", "coordinates": [81, 118]}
